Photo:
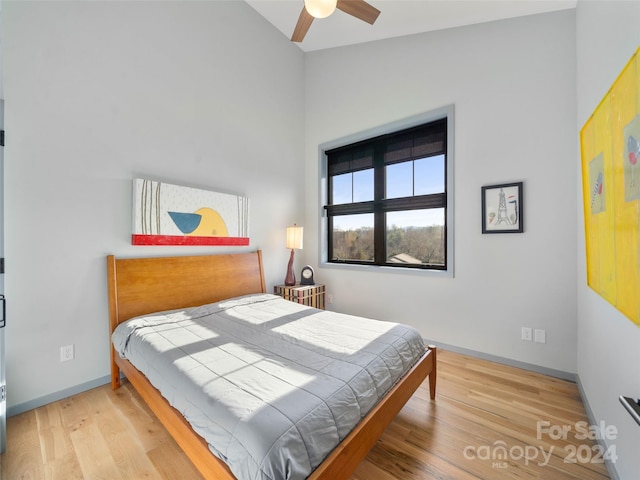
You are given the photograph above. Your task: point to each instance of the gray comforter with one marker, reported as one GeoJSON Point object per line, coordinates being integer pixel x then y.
{"type": "Point", "coordinates": [271, 385]}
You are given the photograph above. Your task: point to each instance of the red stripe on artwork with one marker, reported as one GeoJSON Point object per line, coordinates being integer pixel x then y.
{"type": "Point", "coordinates": [137, 239]}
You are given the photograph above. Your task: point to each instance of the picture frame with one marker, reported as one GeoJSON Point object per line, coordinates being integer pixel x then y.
{"type": "Point", "coordinates": [175, 215]}
{"type": "Point", "coordinates": [502, 208]}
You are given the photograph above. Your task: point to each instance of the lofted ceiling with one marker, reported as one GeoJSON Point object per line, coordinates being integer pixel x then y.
{"type": "Point", "coordinates": [397, 18]}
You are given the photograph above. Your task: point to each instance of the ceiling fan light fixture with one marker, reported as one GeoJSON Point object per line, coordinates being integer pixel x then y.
{"type": "Point", "coordinates": [320, 8]}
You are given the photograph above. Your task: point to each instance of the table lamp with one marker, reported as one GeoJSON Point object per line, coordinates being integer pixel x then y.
{"type": "Point", "coordinates": [294, 240]}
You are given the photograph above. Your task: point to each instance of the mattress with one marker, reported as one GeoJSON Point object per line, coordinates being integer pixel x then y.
{"type": "Point", "coordinates": [271, 385]}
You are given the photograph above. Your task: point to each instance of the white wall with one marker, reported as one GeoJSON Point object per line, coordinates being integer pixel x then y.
{"type": "Point", "coordinates": [608, 343]}
{"type": "Point", "coordinates": [206, 94]}
{"type": "Point", "coordinates": [513, 86]}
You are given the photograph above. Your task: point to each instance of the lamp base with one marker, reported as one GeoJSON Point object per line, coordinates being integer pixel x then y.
{"type": "Point", "coordinates": [290, 279]}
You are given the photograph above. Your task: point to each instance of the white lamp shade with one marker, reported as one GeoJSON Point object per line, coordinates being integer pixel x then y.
{"type": "Point", "coordinates": [294, 237]}
{"type": "Point", "coordinates": [320, 8]}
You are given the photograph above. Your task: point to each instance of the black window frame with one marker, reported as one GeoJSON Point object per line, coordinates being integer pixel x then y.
{"type": "Point", "coordinates": [428, 139]}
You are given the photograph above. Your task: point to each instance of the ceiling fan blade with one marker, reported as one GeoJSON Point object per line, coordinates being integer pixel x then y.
{"type": "Point", "coordinates": [302, 27]}
{"type": "Point", "coordinates": [359, 9]}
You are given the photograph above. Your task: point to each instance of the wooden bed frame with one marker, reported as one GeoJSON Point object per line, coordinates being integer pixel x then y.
{"type": "Point", "coordinates": [144, 285]}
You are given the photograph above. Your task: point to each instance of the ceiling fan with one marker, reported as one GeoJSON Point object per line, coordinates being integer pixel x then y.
{"type": "Point", "coordinates": [323, 8]}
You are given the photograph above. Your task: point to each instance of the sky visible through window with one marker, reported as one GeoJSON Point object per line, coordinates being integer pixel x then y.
{"type": "Point", "coordinates": [419, 177]}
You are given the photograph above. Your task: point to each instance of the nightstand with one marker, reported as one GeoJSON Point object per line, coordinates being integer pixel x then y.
{"type": "Point", "coordinates": [310, 295]}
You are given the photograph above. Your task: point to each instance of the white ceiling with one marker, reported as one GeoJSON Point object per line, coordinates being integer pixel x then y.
{"type": "Point", "coordinates": [397, 18]}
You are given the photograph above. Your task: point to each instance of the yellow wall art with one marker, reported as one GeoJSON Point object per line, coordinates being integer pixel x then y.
{"type": "Point", "coordinates": [610, 147]}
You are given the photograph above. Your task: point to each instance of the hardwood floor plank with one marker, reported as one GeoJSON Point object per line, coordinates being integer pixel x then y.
{"type": "Point", "coordinates": [147, 427]}
{"type": "Point", "coordinates": [124, 445]}
{"type": "Point", "coordinates": [54, 442]}
{"type": "Point", "coordinates": [58, 452]}
{"type": "Point", "coordinates": [170, 462]}
{"type": "Point", "coordinates": [368, 470]}
{"type": "Point", "coordinates": [482, 409]}
{"type": "Point", "coordinates": [162, 451]}
{"type": "Point", "coordinates": [404, 460]}
{"type": "Point", "coordinates": [25, 460]}
{"type": "Point", "coordinates": [81, 419]}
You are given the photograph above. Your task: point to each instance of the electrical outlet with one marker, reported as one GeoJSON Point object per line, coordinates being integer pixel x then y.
{"type": "Point", "coordinates": [66, 353]}
{"type": "Point", "coordinates": [329, 298]}
{"type": "Point", "coordinates": [540, 335]}
{"type": "Point", "coordinates": [526, 334]}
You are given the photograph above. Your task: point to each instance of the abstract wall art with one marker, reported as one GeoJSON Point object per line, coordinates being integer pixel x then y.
{"type": "Point", "coordinates": [610, 148]}
{"type": "Point", "coordinates": [166, 214]}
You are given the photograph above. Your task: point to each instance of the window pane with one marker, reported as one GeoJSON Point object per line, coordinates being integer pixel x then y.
{"type": "Point", "coordinates": [415, 237]}
{"type": "Point", "coordinates": [353, 237]}
{"type": "Point", "coordinates": [341, 189]}
{"type": "Point", "coordinates": [363, 185]}
{"type": "Point", "coordinates": [429, 175]}
{"type": "Point", "coordinates": [399, 180]}
{"type": "Point", "coordinates": [352, 187]}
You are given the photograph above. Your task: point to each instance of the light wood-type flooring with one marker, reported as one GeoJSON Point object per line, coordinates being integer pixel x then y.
{"type": "Point", "coordinates": [488, 421]}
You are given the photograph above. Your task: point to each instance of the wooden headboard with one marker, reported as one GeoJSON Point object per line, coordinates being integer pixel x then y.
{"type": "Point", "coordinates": [153, 284]}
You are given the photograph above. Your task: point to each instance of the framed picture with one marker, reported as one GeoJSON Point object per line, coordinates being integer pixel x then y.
{"type": "Point", "coordinates": [502, 208]}
{"type": "Point", "coordinates": [167, 214]}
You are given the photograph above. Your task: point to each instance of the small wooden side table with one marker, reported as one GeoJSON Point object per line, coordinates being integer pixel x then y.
{"type": "Point", "coordinates": [310, 295]}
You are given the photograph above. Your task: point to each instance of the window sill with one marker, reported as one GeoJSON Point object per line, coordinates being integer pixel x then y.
{"type": "Point", "coordinates": [386, 270]}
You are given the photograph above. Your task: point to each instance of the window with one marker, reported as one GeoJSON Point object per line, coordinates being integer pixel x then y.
{"type": "Point", "coordinates": [386, 199]}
